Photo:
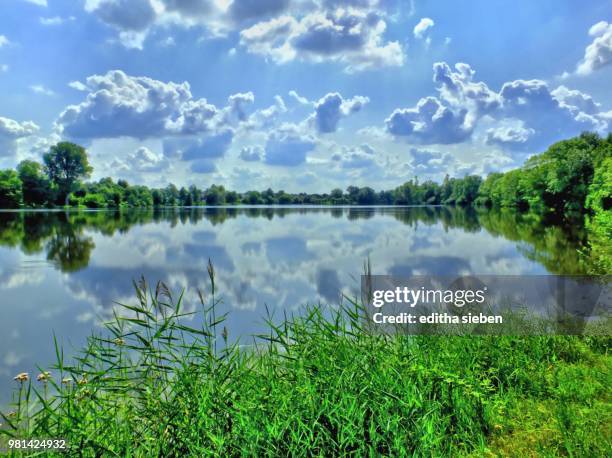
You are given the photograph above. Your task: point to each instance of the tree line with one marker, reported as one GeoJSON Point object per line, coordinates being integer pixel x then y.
{"type": "Point", "coordinates": [572, 176]}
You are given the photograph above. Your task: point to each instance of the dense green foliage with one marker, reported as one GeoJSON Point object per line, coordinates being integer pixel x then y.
{"type": "Point", "coordinates": [321, 384]}
{"type": "Point", "coordinates": [66, 163]}
{"type": "Point", "coordinates": [11, 195]}
{"type": "Point", "coordinates": [599, 222]}
{"type": "Point", "coordinates": [558, 180]}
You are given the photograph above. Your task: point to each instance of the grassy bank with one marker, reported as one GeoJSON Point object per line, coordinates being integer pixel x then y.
{"type": "Point", "coordinates": [318, 385]}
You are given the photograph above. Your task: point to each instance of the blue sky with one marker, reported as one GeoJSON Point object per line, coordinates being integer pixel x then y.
{"type": "Point", "coordinates": [301, 94]}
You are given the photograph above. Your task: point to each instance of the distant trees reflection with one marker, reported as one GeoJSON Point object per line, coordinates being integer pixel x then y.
{"type": "Point", "coordinates": [65, 237]}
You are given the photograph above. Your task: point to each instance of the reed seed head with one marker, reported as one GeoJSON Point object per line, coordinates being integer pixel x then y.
{"type": "Point", "coordinates": [43, 376]}
{"type": "Point", "coordinates": [22, 377]}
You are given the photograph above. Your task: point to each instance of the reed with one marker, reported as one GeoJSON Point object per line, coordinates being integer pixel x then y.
{"type": "Point", "coordinates": [316, 384]}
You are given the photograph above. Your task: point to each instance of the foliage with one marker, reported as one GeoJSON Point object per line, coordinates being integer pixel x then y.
{"type": "Point", "coordinates": [36, 186]}
{"type": "Point", "coordinates": [66, 163]}
{"type": "Point", "coordinates": [11, 195]}
{"type": "Point", "coordinates": [557, 180]}
{"type": "Point", "coordinates": [599, 224]}
{"type": "Point", "coordinates": [320, 384]}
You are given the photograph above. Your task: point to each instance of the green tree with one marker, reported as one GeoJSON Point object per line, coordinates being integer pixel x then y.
{"type": "Point", "coordinates": [11, 194]}
{"type": "Point", "coordinates": [366, 196]}
{"type": "Point", "coordinates": [35, 185]}
{"type": "Point", "coordinates": [66, 164]}
{"type": "Point", "coordinates": [215, 195]}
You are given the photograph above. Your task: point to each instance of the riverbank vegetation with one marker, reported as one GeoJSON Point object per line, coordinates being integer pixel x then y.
{"type": "Point", "coordinates": [319, 384]}
{"type": "Point", "coordinates": [567, 178]}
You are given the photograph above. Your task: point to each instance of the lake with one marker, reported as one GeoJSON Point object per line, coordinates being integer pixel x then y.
{"type": "Point", "coordinates": [62, 272]}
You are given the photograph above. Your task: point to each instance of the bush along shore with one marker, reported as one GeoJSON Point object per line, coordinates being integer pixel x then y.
{"type": "Point", "coordinates": [153, 383]}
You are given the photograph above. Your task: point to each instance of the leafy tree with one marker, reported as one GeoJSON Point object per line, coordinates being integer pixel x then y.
{"type": "Point", "coordinates": [11, 194]}
{"type": "Point", "coordinates": [366, 196]}
{"type": "Point", "coordinates": [253, 198]}
{"type": "Point", "coordinates": [35, 185]}
{"type": "Point", "coordinates": [231, 197]}
{"type": "Point", "coordinates": [171, 195]}
{"type": "Point", "coordinates": [66, 163]}
{"type": "Point", "coordinates": [215, 195]}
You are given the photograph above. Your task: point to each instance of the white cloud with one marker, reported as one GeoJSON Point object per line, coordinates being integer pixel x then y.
{"type": "Point", "coordinates": [11, 131]}
{"type": "Point", "coordinates": [4, 41]}
{"type": "Point", "coordinates": [77, 86]}
{"type": "Point", "coordinates": [422, 27]}
{"type": "Point", "coordinates": [353, 37]}
{"type": "Point", "coordinates": [598, 54]}
{"type": "Point", "coordinates": [430, 122]}
{"type": "Point", "coordinates": [332, 107]}
{"type": "Point", "coordinates": [55, 20]}
{"type": "Point", "coordinates": [524, 114]}
{"type": "Point", "coordinates": [509, 131]}
{"type": "Point", "coordinates": [141, 160]}
{"type": "Point", "coordinates": [299, 99]}
{"type": "Point", "coordinates": [118, 105]}
{"type": "Point", "coordinates": [40, 89]}
{"type": "Point", "coordinates": [4, 68]}
{"type": "Point", "coordinates": [134, 19]}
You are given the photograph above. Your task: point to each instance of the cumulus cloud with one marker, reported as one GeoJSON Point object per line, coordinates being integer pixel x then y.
{"type": "Point", "coordinates": [509, 132]}
{"type": "Point", "coordinates": [353, 37]}
{"type": "Point", "coordinates": [524, 114]}
{"type": "Point", "coordinates": [265, 118]}
{"type": "Point", "coordinates": [288, 146]}
{"type": "Point", "coordinates": [458, 88]}
{"type": "Point", "coordinates": [11, 131]}
{"type": "Point", "coordinates": [299, 99]}
{"type": "Point", "coordinates": [3, 41]}
{"type": "Point", "coordinates": [575, 100]}
{"type": "Point", "coordinates": [131, 18]}
{"type": "Point", "coordinates": [142, 160]}
{"type": "Point", "coordinates": [134, 19]}
{"type": "Point", "coordinates": [422, 27]}
{"type": "Point", "coordinates": [430, 122]}
{"type": "Point", "coordinates": [121, 105]}
{"type": "Point", "coordinates": [551, 115]}
{"type": "Point", "coordinates": [238, 103]}
{"type": "Point", "coordinates": [598, 54]}
{"type": "Point", "coordinates": [332, 107]}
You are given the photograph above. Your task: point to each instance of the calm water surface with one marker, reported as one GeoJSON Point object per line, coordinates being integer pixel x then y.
{"type": "Point", "coordinates": [62, 272]}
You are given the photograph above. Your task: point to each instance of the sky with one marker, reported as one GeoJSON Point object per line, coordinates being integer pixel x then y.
{"type": "Point", "coordinates": [301, 95]}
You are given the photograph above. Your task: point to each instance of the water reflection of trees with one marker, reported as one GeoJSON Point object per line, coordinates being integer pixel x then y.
{"type": "Point", "coordinates": [63, 236]}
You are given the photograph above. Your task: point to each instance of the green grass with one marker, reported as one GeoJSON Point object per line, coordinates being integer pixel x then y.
{"type": "Point", "coordinates": [319, 384]}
